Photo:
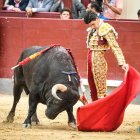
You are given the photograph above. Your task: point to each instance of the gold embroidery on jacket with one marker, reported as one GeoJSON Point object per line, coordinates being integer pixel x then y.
{"type": "Point", "coordinates": [108, 32]}
{"type": "Point", "coordinates": [115, 47]}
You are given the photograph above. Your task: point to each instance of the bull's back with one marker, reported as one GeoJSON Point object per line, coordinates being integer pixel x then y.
{"type": "Point", "coordinates": [46, 67]}
{"type": "Point", "coordinates": [29, 51]}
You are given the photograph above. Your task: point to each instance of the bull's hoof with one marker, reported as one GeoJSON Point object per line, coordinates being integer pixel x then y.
{"type": "Point", "coordinates": [26, 125]}
{"type": "Point", "coordinates": [35, 123]}
{"type": "Point", "coordinates": [9, 119]}
{"type": "Point", "coordinates": [35, 120]}
{"type": "Point", "coordinates": [72, 125]}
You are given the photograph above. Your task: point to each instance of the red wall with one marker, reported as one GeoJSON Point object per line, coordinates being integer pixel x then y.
{"type": "Point", "coordinates": [16, 34]}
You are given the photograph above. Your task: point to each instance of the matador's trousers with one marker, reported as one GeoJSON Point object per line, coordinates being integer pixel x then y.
{"type": "Point", "coordinates": [97, 74]}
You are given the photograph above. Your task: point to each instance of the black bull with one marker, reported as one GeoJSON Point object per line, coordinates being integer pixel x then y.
{"type": "Point", "coordinates": [51, 79]}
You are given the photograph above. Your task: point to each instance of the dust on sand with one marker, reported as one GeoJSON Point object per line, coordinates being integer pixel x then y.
{"type": "Point", "coordinates": [58, 129]}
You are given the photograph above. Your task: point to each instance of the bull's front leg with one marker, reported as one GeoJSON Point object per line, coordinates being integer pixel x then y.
{"type": "Point", "coordinates": [71, 119]}
{"type": "Point", "coordinates": [35, 120]}
{"type": "Point", "coordinates": [32, 109]}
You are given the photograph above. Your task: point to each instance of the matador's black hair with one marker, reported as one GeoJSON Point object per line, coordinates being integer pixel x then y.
{"type": "Point", "coordinates": [90, 16]}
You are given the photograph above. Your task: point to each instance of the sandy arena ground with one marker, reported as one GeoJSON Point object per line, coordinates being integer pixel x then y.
{"type": "Point", "coordinates": [58, 129]}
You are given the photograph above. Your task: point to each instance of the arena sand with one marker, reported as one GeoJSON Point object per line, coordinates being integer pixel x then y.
{"type": "Point", "coordinates": [58, 129]}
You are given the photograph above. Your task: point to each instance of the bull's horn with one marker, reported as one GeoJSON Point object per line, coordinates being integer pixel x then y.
{"type": "Point", "coordinates": [56, 87]}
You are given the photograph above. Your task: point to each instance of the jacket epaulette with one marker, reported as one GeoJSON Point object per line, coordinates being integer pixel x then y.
{"type": "Point", "coordinates": [105, 28]}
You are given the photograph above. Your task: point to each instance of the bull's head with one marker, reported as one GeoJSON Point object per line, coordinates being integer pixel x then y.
{"type": "Point", "coordinates": [56, 104]}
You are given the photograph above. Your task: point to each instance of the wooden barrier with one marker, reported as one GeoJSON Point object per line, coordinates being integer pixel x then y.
{"type": "Point", "coordinates": [5, 13]}
{"type": "Point", "coordinates": [18, 33]}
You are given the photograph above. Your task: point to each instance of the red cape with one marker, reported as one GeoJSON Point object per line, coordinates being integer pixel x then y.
{"type": "Point", "coordinates": [107, 114]}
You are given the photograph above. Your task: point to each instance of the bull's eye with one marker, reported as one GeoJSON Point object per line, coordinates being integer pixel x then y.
{"type": "Point", "coordinates": [56, 101]}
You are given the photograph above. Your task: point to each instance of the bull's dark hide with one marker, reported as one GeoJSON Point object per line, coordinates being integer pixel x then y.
{"type": "Point", "coordinates": [40, 77]}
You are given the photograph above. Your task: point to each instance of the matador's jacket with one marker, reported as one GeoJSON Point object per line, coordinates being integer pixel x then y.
{"type": "Point", "coordinates": [98, 42]}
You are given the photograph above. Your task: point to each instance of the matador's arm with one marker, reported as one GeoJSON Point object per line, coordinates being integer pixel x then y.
{"type": "Point", "coordinates": [111, 39]}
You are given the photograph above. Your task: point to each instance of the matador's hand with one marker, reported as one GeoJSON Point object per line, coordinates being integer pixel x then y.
{"type": "Point", "coordinates": [125, 67]}
{"type": "Point", "coordinates": [29, 11]}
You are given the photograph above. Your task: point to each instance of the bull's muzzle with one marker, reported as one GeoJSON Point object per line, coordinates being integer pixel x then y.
{"type": "Point", "coordinates": [50, 115]}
